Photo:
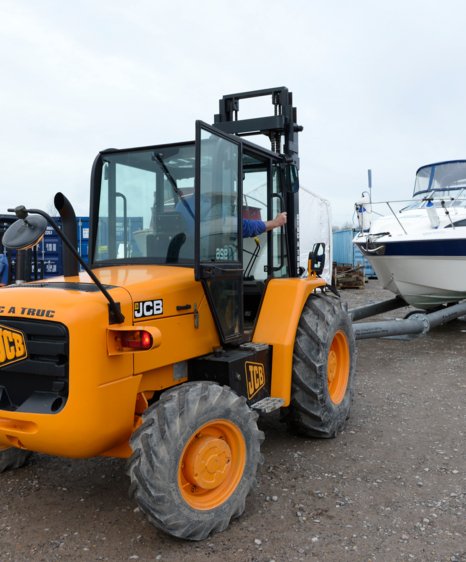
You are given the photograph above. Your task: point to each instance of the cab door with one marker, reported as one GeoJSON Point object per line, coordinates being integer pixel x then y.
{"type": "Point", "coordinates": [218, 228]}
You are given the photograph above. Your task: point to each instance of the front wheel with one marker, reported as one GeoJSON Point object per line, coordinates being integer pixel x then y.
{"type": "Point", "coordinates": [195, 459]}
{"type": "Point", "coordinates": [324, 363]}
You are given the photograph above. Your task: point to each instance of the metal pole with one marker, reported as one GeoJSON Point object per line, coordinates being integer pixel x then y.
{"type": "Point", "coordinates": [376, 308]}
{"type": "Point", "coordinates": [418, 323]}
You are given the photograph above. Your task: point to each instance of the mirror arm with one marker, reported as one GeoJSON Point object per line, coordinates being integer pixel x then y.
{"type": "Point", "coordinates": [116, 316]}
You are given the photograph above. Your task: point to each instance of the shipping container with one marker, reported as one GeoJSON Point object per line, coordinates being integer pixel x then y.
{"type": "Point", "coordinates": [47, 258]}
{"type": "Point", "coordinates": [346, 253]}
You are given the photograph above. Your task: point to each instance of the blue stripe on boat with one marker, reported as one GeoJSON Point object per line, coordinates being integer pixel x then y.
{"type": "Point", "coordinates": [426, 248]}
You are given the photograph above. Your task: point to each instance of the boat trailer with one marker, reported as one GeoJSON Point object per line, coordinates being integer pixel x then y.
{"type": "Point", "coordinates": [417, 323]}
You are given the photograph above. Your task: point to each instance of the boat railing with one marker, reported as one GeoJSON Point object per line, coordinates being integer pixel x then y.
{"type": "Point", "coordinates": [365, 210]}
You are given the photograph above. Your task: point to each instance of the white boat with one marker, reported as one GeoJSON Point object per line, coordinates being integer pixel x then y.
{"type": "Point", "coordinates": [419, 251]}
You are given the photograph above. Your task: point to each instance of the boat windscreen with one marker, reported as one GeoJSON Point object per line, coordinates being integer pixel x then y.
{"type": "Point", "coordinates": [443, 176]}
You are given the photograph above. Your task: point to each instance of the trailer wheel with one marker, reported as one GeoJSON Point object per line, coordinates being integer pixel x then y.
{"type": "Point", "coordinates": [195, 459]}
{"type": "Point", "coordinates": [324, 362]}
{"type": "Point", "coordinates": [11, 457]}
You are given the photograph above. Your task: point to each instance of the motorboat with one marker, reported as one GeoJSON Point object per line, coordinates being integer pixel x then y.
{"type": "Point", "coordinates": [418, 251]}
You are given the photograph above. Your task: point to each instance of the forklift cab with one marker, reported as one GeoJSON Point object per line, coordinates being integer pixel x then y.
{"type": "Point", "coordinates": [146, 202]}
{"type": "Point", "coordinates": [184, 204]}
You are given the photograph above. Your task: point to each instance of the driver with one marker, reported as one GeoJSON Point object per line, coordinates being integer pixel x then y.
{"type": "Point", "coordinates": [251, 228]}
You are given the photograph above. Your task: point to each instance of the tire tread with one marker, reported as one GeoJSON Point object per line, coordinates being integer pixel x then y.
{"type": "Point", "coordinates": [157, 442]}
{"type": "Point", "coordinates": [311, 412]}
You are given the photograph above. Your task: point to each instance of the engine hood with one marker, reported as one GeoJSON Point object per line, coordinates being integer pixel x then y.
{"type": "Point", "coordinates": [142, 292]}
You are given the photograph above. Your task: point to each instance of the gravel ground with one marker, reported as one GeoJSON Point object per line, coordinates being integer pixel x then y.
{"type": "Point", "coordinates": [391, 487]}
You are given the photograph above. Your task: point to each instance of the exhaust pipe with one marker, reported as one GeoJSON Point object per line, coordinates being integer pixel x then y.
{"type": "Point", "coordinates": [69, 227]}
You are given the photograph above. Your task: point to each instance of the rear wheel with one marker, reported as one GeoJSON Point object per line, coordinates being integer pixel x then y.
{"type": "Point", "coordinates": [195, 459]}
{"type": "Point", "coordinates": [324, 362]}
{"type": "Point", "coordinates": [11, 458]}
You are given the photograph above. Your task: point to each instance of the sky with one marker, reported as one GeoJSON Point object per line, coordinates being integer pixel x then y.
{"type": "Point", "coordinates": [377, 85]}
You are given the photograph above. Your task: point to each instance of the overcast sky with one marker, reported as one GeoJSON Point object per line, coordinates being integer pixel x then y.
{"type": "Point", "coordinates": [377, 85]}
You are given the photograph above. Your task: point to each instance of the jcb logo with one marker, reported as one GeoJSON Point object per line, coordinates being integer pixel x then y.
{"type": "Point", "coordinates": [255, 377]}
{"type": "Point", "coordinates": [12, 346]}
{"type": "Point", "coordinates": [143, 309]}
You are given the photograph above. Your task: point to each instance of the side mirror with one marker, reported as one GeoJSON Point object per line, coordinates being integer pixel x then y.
{"type": "Point", "coordinates": [26, 232]}
{"type": "Point", "coordinates": [316, 260]}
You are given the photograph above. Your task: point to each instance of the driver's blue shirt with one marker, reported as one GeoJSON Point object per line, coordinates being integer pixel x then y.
{"type": "Point", "coordinates": [3, 269]}
{"type": "Point", "coordinates": [250, 229]}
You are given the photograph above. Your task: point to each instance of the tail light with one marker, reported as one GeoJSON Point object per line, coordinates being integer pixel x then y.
{"type": "Point", "coordinates": [137, 340]}
{"type": "Point", "coordinates": [131, 339]}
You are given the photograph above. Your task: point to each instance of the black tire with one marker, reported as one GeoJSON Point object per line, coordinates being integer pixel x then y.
{"type": "Point", "coordinates": [324, 363]}
{"type": "Point", "coordinates": [195, 459]}
{"type": "Point", "coordinates": [12, 457]}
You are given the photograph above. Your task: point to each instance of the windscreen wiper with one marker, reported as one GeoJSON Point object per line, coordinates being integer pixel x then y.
{"type": "Point", "coordinates": [158, 157]}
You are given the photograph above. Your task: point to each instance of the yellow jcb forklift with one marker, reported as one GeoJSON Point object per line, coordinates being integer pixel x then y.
{"type": "Point", "coordinates": [166, 346]}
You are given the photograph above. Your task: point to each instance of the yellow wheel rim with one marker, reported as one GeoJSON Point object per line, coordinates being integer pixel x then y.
{"type": "Point", "coordinates": [338, 367]}
{"type": "Point", "coordinates": [212, 464]}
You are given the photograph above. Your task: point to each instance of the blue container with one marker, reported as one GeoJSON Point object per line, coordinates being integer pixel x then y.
{"type": "Point", "coordinates": [50, 250]}
{"type": "Point", "coordinates": [83, 228]}
{"type": "Point", "coordinates": [51, 266]}
{"type": "Point", "coordinates": [52, 246]}
{"type": "Point", "coordinates": [346, 253]}
{"type": "Point", "coordinates": [343, 247]}
{"type": "Point", "coordinates": [83, 238]}
{"type": "Point", "coordinates": [83, 249]}
{"type": "Point", "coordinates": [83, 232]}
{"type": "Point", "coordinates": [50, 231]}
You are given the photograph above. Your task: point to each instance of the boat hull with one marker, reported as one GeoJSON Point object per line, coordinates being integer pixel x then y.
{"type": "Point", "coordinates": [423, 281]}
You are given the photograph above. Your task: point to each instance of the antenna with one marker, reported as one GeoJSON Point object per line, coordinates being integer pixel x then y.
{"type": "Point", "coordinates": [369, 184]}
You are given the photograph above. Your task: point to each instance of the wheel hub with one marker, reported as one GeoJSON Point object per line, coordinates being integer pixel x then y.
{"type": "Point", "coordinates": [207, 462]}
{"type": "Point", "coordinates": [338, 367]}
{"type": "Point", "coordinates": [332, 366]}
